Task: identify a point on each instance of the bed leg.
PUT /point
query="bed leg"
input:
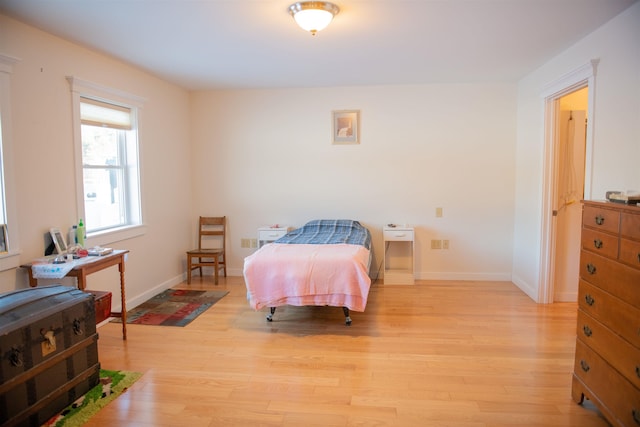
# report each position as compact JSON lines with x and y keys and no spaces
{"x":270,"y":315}
{"x":347,"y":318}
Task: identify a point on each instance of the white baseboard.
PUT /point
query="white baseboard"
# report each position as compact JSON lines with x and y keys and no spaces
{"x":139,"y":299}
{"x":531,"y":291}
{"x":565,"y":297}
{"x":484,"y":277}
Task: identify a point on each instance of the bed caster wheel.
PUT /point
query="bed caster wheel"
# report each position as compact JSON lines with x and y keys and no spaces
{"x":347,"y":318}
{"x":269,"y":317}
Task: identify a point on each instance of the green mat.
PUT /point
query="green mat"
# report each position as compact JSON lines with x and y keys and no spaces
{"x":112,"y":384}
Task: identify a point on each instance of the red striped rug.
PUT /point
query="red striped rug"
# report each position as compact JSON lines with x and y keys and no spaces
{"x":173,"y":307}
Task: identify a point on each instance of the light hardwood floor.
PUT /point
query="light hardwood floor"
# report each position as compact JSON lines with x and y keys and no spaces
{"x":464,"y":354}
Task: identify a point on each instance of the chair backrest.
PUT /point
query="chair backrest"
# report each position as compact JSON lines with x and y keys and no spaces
{"x":212,"y":226}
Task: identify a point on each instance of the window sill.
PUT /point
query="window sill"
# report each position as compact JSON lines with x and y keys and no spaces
{"x":9,"y":260}
{"x":106,"y":238}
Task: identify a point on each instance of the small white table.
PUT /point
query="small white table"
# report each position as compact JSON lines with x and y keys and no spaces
{"x":271,"y":234}
{"x":398,"y":255}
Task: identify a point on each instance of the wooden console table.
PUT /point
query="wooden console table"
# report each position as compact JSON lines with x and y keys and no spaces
{"x":92,"y":264}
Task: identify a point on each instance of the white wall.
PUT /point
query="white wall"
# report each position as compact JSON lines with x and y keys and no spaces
{"x":265,"y":156}
{"x":616,"y":139}
{"x":44,"y":166}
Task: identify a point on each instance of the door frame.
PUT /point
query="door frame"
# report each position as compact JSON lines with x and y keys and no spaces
{"x":583,"y":76}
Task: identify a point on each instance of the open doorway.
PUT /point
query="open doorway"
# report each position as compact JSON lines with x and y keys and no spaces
{"x":568,"y":190}
{"x":583,"y":77}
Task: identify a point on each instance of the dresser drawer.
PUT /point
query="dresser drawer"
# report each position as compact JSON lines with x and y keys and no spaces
{"x":616,"y":351}
{"x":616,"y":278}
{"x":611,"y":311}
{"x":630,"y":252}
{"x":630,"y":225}
{"x":617,"y":395}
{"x":599,"y":242}
{"x":398,"y":235}
{"x":602,"y":219}
{"x":271,"y":235}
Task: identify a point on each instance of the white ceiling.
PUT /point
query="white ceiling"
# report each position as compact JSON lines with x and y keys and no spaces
{"x":208,"y":44}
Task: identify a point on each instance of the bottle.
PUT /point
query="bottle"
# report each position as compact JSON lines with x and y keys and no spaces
{"x":80,"y":233}
{"x":73,"y":235}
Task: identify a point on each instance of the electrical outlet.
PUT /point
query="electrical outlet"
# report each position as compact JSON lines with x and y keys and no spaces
{"x":245,"y":243}
{"x":436,"y":244}
{"x":438,"y":212}
{"x":445,"y":244}
{"x":254,"y":243}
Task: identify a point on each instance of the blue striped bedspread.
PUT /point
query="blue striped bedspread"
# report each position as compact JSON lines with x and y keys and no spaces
{"x":329,"y":231}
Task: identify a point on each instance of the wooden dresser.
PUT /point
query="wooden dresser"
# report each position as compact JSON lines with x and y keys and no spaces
{"x":607,"y":363}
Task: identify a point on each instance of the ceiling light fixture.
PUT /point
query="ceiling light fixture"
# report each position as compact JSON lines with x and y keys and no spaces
{"x":313,"y":16}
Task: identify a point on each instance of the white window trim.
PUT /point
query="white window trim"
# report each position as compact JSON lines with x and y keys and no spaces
{"x":9,"y":259}
{"x":88,"y":89}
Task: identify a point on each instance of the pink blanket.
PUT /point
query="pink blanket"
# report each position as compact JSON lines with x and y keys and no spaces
{"x":299,"y":274}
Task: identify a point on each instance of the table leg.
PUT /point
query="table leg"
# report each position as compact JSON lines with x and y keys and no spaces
{"x":123,"y":315}
{"x":82,"y":280}
{"x":33,"y":282}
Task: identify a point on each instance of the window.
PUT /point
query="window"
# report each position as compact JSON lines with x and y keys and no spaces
{"x":109,"y":197}
{"x":4,"y":241}
{"x":3,"y":215}
{"x":109,"y":165}
{"x":9,"y":242}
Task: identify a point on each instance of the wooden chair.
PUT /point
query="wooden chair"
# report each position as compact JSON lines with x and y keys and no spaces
{"x":206,"y":256}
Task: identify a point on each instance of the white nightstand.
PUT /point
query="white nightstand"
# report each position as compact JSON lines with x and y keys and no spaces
{"x":270,"y":234}
{"x":398,"y":255}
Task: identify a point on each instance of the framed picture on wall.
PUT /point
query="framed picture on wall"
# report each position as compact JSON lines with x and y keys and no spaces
{"x":346,"y":127}
{"x":4,"y":241}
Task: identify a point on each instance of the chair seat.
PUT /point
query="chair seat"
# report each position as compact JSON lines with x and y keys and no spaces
{"x":205,"y":251}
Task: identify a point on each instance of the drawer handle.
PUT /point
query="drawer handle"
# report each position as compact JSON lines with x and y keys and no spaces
{"x":16,"y":357}
{"x":636,"y":416}
{"x":587,"y":330}
{"x":599,"y":220}
{"x":589,"y":299}
{"x":597,"y":243}
{"x":591,"y":268}
{"x":77,"y":327}
{"x":584,"y":365}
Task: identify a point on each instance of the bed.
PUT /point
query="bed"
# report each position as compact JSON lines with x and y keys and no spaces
{"x":323,"y":263}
